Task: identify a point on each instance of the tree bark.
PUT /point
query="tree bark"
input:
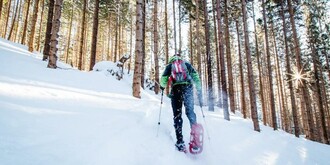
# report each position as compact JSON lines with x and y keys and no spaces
{"x":54,"y":37}
{"x":18,"y":22}
{"x":318,"y":93}
{"x":138,"y":48}
{"x":94,"y":36}
{"x":69,"y":35}
{"x":13,"y":22}
{"x":166,"y":34}
{"x":209,"y":60}
{"x":253,"y":104}
{"x":131,"y":43}
{"x":7,"y":20}
{"x":289,"y":75}
{"x":199,"y":60}
{"x":143,"y":44}
{"x":270,"y":74}
{"x":156,"y":47}
{"x":26,"y":22}
{"x":48,"y":29}
{"x":243,"y":101}
{"x":1,"y":4}
{"x":300,"y":69}
{"x":191,"y":52}
{"x":180,"y":36}
{"x":33,"y":28}
{"x":40,"y":26}
{"x":174,"y":26}
{"x":224,"y":93}
{"x":229,"y":62}
{"x":261,"y":87}
{"x":214,"y":2}
{"x":116,"y":34}
{"x":82,"y":35}
{"x":282,"y":108}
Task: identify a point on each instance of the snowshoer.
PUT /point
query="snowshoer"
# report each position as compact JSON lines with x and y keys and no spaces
{"x":181,"y":75}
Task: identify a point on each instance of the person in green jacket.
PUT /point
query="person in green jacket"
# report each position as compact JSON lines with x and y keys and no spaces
{"x":181,"y":75}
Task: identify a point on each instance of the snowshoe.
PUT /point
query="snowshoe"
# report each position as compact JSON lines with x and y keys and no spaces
{"x":180,"y":146}
{"x":196,"y":139}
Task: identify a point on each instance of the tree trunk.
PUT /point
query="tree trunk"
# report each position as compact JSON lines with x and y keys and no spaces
{"x":138,"y":48}
{"x":48,"y":29}
{"x":54,"y":37}
{"x":167,"y":91}
{"x":253,"y":104}
{"x":199,"y":60}
{"x":217,"y":53}
{"x":40,"y":26}
{"x":261,"y":87}
{"x":82,"y":35}
{"x":13,"y":22}
{"x":174,"y":26}
{"x":17,"y":25}
{"x":270,"y":75}
{"x":166,"y":35}
{"x":116,"y":34}
{"x":94,"y":36}
{"x":229,"y":63}
{"x":318,"y":93}
{"x":243,"y":101}
{"x":222,"y":65}
{"x":7,"y":20}
{"x":33,"y":28}
{"x":143,"y":44}
{"x":110,"y":36}
{"x":69,"y":35}
{"x":320,"y":101}
{"x":1,"y":4}
{"x":131,"y":43}
{"x":209,"y":60}
{"x":26,"y":22}
{"x":191,"y":51}
{"x":156,"y":46}
{"x":280,"y":85}
{"x":180,"y":36}
{"x":300,"y":69}
{"x":289,"y":75}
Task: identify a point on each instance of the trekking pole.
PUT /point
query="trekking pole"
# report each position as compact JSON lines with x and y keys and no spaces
{"x":207,"y":132}
{"x":160,"y":111}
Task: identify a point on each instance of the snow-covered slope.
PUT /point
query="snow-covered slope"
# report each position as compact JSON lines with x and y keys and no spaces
{"x":66,"y":116}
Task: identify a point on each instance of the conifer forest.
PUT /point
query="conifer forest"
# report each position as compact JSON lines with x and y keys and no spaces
{"x":267,"y":60}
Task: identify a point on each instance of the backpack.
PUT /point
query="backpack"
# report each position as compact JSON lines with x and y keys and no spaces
{"x":179,"y":72}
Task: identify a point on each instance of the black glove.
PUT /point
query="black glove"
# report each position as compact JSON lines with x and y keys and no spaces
{"x":161,"y":88}
{"x":200,"y":98}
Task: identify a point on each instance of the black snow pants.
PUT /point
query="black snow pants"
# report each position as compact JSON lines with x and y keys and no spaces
{"x":182,"y":93}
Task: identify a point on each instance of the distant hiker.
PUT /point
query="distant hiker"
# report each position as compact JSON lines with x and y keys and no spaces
{"x":181,"y":75}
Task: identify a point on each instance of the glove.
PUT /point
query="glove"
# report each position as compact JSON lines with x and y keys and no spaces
{"x":161,"y":88}
{"x":200,"y":97}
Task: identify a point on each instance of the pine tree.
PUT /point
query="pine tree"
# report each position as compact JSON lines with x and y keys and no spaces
{"x":252,"y":93}
{"x":33,"y":28}
{"x":82,"y":35}
{"x":48,"y":29}
{"x":138,"y":48}
{"x":224,"y":93}
{"x":54,"y":37}
{"x":156,"y":46}
{"x":26,"y":22}
{"x":208,"y":57}
{"x":270,"y":75}
{"x":94,"y":36}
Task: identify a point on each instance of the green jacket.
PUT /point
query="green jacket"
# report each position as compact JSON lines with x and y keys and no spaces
{"x":190,"y":71}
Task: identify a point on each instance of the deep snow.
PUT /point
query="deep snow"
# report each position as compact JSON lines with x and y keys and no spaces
{"x":66,"y":116}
